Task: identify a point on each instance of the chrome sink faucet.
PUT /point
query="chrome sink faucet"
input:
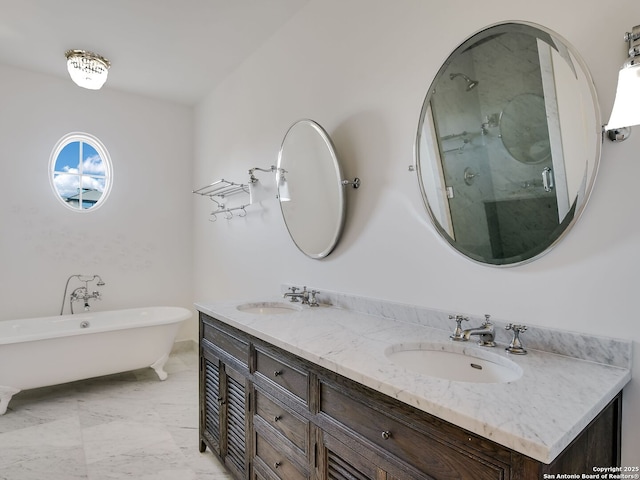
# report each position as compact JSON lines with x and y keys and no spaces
{"x":308,"y":297}
{"x":295,"y":297}
{"x":485,"y":331}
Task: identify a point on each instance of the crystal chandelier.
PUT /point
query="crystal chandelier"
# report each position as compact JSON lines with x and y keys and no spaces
{"x":87,"y":69}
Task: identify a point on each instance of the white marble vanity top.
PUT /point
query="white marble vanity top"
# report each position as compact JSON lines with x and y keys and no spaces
{"x":537,"y":415}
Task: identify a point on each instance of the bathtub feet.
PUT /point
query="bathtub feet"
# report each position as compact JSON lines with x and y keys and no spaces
{"x":6,"y":393}
{"x":158,"y":366}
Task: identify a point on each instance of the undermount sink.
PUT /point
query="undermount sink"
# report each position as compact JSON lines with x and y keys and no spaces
{"x":454,"y":362}
{"x":268,"y":308}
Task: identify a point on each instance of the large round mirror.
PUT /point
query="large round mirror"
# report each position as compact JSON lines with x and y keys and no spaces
{"x":508,"y":143}
{"x":310,"y":189}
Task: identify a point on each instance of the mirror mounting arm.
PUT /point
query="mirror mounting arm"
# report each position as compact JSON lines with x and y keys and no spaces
{"x":355,"y":182}
{"x":253,"y":178}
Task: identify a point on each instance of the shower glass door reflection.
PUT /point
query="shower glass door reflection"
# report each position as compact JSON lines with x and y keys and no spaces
{"x":501,"y":154}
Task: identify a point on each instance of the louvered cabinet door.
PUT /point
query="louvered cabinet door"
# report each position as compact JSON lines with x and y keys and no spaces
{"x":224,"y":414}
{"x":340,"y":462}
{"x":340,"y":467}
{"x":234,"y":422}
{"x":210,"y":404}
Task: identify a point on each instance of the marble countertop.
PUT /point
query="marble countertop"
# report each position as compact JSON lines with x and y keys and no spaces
{"x":537,"y":415}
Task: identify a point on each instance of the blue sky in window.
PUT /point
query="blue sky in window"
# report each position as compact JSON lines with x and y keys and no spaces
{"x":67,"y":178}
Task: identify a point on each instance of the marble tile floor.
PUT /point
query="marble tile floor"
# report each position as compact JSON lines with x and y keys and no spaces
{"x":124,"y":426}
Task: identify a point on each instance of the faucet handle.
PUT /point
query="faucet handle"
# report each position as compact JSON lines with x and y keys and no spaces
{"x":487,"y":320}
{"x":517,"y":329}
{"x":313,"y":301}
{"x":293,"y":289}
{"x":515,"y":346}
{"x":458,"y":334}
{"x":305,"y":296}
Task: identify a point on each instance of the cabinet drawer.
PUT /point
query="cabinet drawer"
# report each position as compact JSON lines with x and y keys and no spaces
{"x":277,"y":463}
{"x":289,"y":424}
{"x":237,"y":348}
{"x":429,"y":454}
{"x":283,"y":374}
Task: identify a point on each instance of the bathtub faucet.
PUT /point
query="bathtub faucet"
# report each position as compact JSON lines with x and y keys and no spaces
{"x":82,"y":293}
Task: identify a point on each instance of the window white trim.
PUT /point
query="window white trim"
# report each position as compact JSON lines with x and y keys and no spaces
{"x":104,"y":157}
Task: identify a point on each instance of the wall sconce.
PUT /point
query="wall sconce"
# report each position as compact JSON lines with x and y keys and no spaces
{"x":626,"y":107}
{"x":87,"y":69}
{"x":283,"y":186}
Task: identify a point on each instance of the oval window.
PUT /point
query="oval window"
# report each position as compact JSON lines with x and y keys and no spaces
{"x":80,"y":171}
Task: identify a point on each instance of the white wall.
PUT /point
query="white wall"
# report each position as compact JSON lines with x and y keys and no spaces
{"x":139,"y":241}
{"x":361,"y":68}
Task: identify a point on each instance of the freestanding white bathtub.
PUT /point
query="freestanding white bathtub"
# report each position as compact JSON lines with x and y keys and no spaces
{"x":38,"y":352}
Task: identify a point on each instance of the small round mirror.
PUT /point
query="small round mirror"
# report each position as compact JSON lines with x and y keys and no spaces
{"x":508,"y":144}
{"x":310,"y":189}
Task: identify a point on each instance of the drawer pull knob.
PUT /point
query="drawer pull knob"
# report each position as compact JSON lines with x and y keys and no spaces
{"x":277,"y":373}
{"x":386,"y":435}
{"x":277,"y":464}
{"x":277,"y":418}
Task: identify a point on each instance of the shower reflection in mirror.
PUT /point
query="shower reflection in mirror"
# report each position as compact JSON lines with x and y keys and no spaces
{"x":502,"y":148}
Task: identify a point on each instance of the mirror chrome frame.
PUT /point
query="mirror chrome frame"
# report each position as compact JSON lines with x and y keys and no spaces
{"x":597,"y":138}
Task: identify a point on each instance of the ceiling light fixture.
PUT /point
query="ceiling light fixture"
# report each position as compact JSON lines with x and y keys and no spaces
{"x":87,"y":69}
{"x":626,"y":107}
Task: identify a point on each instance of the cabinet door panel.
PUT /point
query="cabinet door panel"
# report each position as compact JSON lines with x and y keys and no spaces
{"x":342,"y":462}
{"x":223,"y":412}
{"x":210,"y":414}
{"x":340,"y":468}
{"x":235,"y":421}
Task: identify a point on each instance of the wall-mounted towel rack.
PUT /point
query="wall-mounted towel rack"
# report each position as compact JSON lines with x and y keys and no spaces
{"x":221,"y":189}
{"x":228,"y":212}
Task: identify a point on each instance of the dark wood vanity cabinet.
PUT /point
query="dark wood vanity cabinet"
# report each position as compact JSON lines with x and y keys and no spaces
{"x":270,"y":415}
